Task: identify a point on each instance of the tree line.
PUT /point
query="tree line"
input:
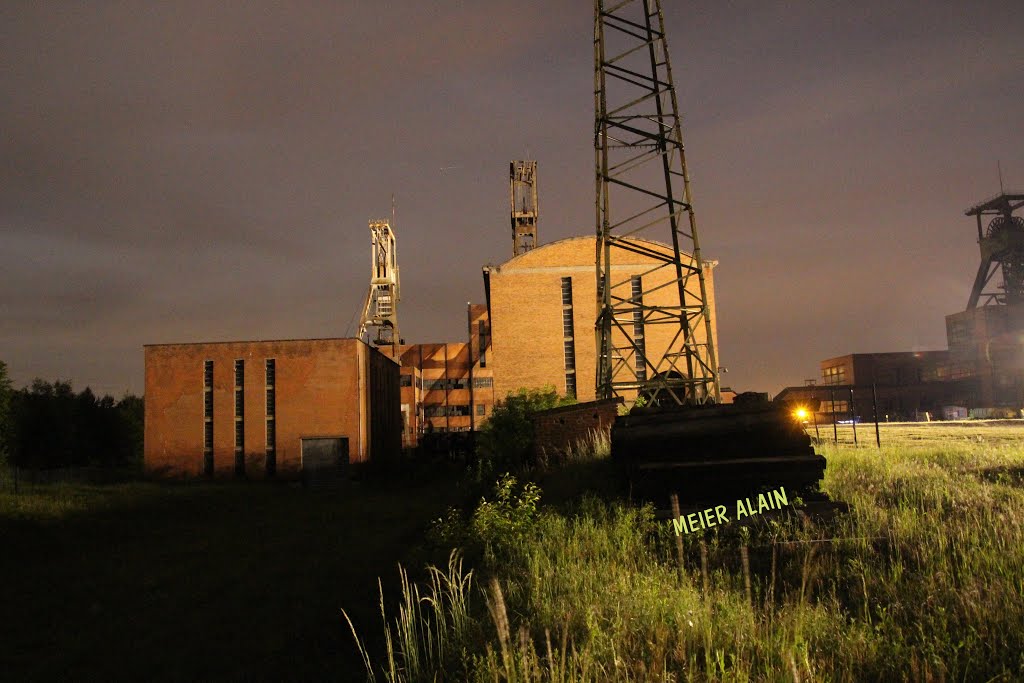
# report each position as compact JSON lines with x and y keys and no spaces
{"x":47,"y":425}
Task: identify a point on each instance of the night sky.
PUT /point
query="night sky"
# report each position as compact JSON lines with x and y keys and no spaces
{"x":177,"y":172}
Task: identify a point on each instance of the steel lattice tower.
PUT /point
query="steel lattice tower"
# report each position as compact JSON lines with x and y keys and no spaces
{"x":641,"y":171}
{"x":1002,"y":248}
{"x":522,"y":178}
{"x":380,"y":309}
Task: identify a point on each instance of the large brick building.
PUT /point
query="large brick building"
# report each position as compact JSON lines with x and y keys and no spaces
{"x":258,"y":408}
{"x":267,"y":408}
{"x":543,"y":308}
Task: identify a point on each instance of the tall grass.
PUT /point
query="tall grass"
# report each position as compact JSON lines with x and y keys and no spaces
{"x":430,"y":628}
{"x":922,"y":581}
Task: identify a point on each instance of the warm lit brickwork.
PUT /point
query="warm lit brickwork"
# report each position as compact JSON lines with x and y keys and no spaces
{"x":322,"y":388}
{"x":448,"y":387}
{"x":561,"y":428}
{"x":527,"y":314}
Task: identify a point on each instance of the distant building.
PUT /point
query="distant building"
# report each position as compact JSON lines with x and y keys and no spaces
{"x":268,"y":408}
{"x":906,"y":385}
{"x":982,"y":373}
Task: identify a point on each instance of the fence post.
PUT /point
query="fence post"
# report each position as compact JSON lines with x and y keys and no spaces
{"x":676,"y":514}
{"x":835,"y":430}
{"x":853,"y":417}
{"x":874,"y":409}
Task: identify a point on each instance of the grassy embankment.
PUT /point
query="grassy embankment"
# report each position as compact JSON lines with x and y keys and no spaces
{"x":927,"y":583}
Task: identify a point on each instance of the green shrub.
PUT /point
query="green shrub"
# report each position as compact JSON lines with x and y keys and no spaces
{"x":494,"y":525}
{"x":506,"y":441}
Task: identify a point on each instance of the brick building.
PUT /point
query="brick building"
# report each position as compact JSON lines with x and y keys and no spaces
{"x":907,"y":385}
{"x":266,"y":408}
{"x":536,"y":329}
{"x":543,"y":307}
{"x":447,"y":387}
{"x":986,"y":344}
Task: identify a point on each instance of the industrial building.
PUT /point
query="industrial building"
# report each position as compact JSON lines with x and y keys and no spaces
{"x":542,"y":306}
{"x":447,"y":387}
{"x":982,"y":372}
{"x":268,"y":408}
{"x":280,"y":408}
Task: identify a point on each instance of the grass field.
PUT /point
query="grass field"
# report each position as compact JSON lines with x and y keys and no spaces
{"x":247,"y":582}
{"x":926,"y":433}
{"x":922,"y":581}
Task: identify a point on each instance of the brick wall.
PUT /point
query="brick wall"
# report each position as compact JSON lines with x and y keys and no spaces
{"x":323,"y":388}
{"x":526,"y":314}
{"x":559,"y":428}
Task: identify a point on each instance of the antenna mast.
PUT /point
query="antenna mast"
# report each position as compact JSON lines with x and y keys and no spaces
{"x":643,"y":195}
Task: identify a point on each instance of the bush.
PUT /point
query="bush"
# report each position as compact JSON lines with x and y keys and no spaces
{"x":495,"y":525}
{"x":506,"y":441}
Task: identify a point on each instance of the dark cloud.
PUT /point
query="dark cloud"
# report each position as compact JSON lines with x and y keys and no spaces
{"x":187,"y":171}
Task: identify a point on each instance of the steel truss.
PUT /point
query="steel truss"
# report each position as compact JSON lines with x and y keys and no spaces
{"x":380,"y":309}
{"x":640,"y":169}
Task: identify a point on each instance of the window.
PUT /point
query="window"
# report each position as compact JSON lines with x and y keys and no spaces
{"x":433,"y":410}
{"x":640,"y":363}
{"x":483,"y":357}
{"x":458,"y":411}
{"x":405,"y":380}
{"x":568,"y":345}
{"x":239,"y":418}
{"x":271,"y":402}
{"x":481,"y":409}
{"x":271,"y":377}
{"x":841,"y":407}
{"x":483,"y":382}
{"x":208,"y":417}
{"x":834,"y":375}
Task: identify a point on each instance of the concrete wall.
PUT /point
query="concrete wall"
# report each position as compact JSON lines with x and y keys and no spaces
{"x":323,"y":387}
{"x":526,"y":314}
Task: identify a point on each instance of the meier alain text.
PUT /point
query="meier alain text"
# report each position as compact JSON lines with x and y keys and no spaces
{"x":704,"y":519}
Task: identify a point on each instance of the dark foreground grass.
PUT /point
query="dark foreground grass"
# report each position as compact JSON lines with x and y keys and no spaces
{"x":922,"y":581}
{"x":199,"y":581}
